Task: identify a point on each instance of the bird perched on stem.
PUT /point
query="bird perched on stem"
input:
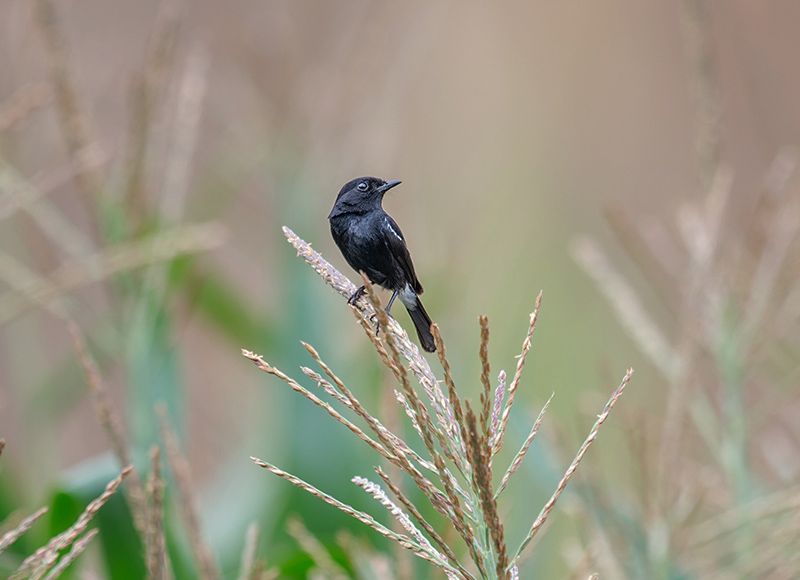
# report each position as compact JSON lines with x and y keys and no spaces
{"x":371,"y":242}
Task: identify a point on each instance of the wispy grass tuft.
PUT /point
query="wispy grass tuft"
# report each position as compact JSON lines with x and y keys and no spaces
{"x":50,"y":560}
{"x":249,"y":566}
{"x":710,"y":501}
{"x":207,"y":567}
{"x":11,"y":536}
{"x":155,"y":538}
{"x":454,"y":471}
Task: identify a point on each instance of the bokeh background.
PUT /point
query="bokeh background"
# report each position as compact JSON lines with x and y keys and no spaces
{"x":516,"y":128}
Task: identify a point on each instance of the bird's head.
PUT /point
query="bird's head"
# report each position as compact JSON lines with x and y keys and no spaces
{"x":361,"y":195}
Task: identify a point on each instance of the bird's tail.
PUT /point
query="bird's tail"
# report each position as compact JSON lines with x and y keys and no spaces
{"x":422,"y":322}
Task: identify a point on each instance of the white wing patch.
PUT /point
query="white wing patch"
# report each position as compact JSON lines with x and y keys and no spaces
{"x":391,"y":229}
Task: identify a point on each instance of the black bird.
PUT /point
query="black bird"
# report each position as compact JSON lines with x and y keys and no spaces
{"x":372,"y":242}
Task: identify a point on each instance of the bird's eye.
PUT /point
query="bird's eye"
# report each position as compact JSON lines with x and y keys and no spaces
{"x":362,"y":186}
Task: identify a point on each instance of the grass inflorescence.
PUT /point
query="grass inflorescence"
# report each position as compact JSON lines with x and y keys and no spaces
{"x":455,"y":471}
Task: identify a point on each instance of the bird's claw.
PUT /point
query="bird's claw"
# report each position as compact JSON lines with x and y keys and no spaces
{"x":356,"y":296}
{"x":374,"y":317}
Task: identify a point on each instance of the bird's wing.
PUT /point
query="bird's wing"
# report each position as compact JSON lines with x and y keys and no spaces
{"x":397,"y":246}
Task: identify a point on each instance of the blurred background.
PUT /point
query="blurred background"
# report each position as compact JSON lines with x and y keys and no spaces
{"x":635,"y":161}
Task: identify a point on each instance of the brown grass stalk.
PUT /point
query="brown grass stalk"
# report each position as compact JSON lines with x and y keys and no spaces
{"x":104,"y":263}
{"x":22,"y":192}
{"x":391,"y":363}
{"x":188,"y":108}
{"x":385,"y":447}
{"x":365,"y":311}
{"x":542,"y":518}
{"x":336,"y":280}
{"x":412,"y":509}
{"x":456,"y":513}
{"x":11,"y":536}
{"x":486,"y":381}
{"x":22,"y":103}
{"x":479,"y":455}
{"x":248,"y":568}
{"x":455,"y":402}
{"x":74,"y":127}
{"x":50,"y":220}
{"x":111,"y":421}
{"x":386,"y":450}
{"x":45,"y":557}
{"x":364,"y":518}
{"x":699,"y":53}
{"x":342,"y":394}
{"x":18,"y":277}
{"x":393,"y":343}
{"x":207,"y":568}
{"x":76,"y":550}
{"x":467,"y":439}
{"x":515,"y":463}
{"x":315,"y":549}
{"x":627,"y":305}
{"x":427,"y":428}
{"x":512,"y":389}
{"x":155,"y":539}
{"x":497,"y":408}
{"x":147,"y":94}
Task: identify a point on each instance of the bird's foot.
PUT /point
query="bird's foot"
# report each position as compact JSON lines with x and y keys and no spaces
{"x":374,"y":318}
{"x":356,"y":296}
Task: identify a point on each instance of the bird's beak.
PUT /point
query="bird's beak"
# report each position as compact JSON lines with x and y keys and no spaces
{"x":388,"y":185}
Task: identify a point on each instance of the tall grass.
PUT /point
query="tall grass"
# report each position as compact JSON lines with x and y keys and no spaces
{"x":455,"y":472}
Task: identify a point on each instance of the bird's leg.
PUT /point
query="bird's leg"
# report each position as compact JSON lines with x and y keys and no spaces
{"x":356,"y":296}
{"x":387,"y":309}
{"x":389,"y":306}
